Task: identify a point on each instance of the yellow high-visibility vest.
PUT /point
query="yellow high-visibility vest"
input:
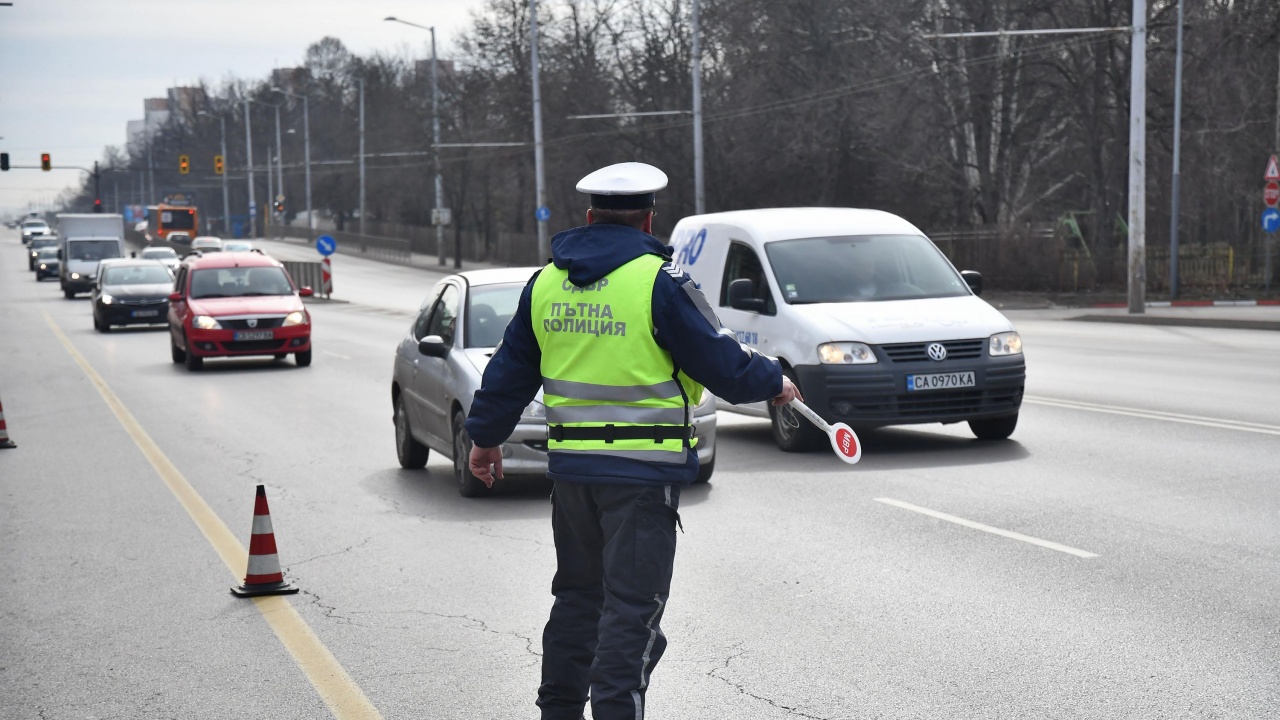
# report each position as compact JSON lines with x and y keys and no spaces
{"x":609,"y":388}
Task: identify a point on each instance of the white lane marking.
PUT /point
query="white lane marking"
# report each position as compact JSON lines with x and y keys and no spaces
{"x":344,"y":357}
{"x":1157,"y":415}
{"x":987,"y":528}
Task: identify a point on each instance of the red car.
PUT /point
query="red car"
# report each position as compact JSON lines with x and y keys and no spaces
{"x":236,"y":304}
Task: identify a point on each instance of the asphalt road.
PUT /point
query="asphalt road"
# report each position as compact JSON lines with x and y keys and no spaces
{"x":1115,"y":558}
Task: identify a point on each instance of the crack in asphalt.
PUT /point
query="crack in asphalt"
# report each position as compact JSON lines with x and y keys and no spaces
{"x":330,"y":611}
{"x":485,"y":628}
{"x":348,"y":549}
{"x":480,"y":528}
{"x":742,"y":688}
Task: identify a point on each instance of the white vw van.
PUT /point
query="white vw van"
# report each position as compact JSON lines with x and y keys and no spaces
{"x":867,"y":316}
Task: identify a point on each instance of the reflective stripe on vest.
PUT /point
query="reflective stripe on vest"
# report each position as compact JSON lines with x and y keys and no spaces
{"x":601,"y":364}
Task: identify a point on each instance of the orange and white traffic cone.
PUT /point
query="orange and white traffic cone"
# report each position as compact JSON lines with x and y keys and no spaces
{"x":5,"y":442}
{"x":263,"y":576}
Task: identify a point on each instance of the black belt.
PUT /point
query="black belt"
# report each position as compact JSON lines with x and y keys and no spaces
{"x":609,"y":433}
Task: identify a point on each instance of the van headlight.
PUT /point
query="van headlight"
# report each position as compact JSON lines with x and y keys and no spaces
{"x":75,"y":276}
{"x":1005,"y":343}
{"x":204,"y":322}
{"x":846,"y":353}
{"x":296,"y":317}
{"x":107,"y":299}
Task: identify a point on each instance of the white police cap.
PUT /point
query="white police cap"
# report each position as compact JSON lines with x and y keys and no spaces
{"x":624,"y":186}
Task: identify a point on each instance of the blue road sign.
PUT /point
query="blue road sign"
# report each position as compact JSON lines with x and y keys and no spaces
{"x":1271,"y":220}
{"x":325,"y":245}
{"x":543,"y":214}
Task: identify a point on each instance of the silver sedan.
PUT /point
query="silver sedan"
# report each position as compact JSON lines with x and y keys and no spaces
{"x":438,"y":368}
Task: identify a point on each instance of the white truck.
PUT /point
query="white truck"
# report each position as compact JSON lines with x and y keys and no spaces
{"x":87,"y":239}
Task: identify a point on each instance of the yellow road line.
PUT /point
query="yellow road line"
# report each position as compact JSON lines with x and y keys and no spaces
{"x":344,"y":698}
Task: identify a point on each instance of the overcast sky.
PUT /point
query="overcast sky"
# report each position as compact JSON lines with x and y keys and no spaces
{"x":74,"y":72}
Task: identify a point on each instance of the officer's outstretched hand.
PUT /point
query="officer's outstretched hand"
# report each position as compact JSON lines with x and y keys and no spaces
{"x":789,"y":392}
{"x":480,"y":461}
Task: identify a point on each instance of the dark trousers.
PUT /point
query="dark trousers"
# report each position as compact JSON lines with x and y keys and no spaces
{"x":615,"y":545}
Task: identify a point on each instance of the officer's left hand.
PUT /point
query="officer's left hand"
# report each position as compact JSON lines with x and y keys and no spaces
{"x":480,"y":461}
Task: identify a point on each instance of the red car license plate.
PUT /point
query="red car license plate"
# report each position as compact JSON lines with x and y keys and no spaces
{"x":255,"y":335}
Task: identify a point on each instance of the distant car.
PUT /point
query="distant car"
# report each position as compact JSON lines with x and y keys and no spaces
{"x":237,"y":305}
{"x":31,"y":228}
{"x":206,"y":243}
{"x":166,"y":255}
{"x":438,"y":367}
{"x":41,"y":241}
{"x":178,"y":238}
{"x":47,"y":263}
{"x":131,"y":292}
{"x":237,"y":246}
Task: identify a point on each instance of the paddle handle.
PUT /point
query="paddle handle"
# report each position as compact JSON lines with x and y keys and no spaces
{"x":811,"y":415}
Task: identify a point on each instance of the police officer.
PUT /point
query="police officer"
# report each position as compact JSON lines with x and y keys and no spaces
{"x":622,"y":342}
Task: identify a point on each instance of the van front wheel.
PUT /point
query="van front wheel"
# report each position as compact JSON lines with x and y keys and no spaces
{"x":791,"y":431}
{"x":994,"y":428}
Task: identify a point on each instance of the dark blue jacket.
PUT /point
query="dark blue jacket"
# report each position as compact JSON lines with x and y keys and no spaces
{"x":684,"y":325}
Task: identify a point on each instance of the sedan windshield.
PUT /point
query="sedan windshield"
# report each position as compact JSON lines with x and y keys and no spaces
{"x":239,"y":282}
{"x":137,"y":275}
{"x":489,"y":310}
{"x":862,"y":268}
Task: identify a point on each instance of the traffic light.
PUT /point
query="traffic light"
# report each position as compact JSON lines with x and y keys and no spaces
{"x":4,"y":161}
{"x":217,"y":165}
{"x":184,"y":164}
{"x":280,"y":205}
{"x":46,"y":163}
{"x":97,"y":205}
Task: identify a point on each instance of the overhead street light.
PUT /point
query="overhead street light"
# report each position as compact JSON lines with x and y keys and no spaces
{"x":438,"y":218}
{"x":306,"y":140}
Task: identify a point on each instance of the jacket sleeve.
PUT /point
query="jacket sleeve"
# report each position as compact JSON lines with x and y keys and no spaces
{"x":687,"y":327}
{"x":511,"y":380}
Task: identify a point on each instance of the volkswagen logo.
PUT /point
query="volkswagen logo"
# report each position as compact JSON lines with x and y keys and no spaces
{"x":937,"y":352}
{"x":253,"y":322}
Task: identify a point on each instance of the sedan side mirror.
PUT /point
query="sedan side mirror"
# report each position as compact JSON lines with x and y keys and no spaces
{"x":740,"y":296}
{"x":433,"y":346}
{"x":59,"y":253}
{"x":175,"y":297}
{"x":974,"y":280}
{"x":305,"y":292}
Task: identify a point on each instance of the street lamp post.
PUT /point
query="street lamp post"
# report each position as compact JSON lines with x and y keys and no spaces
{"x":435,"y":148}
{"x":306,"y":142}
{"x":226,"y":202}
{"x":279,"y":168}
{"x":544,"y":248}
{"x":248,"y":144}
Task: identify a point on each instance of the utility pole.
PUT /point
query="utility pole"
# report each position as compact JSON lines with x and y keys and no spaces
{"x":362,"y":209}
{"x":435,"y":156}
{"x":699,"y":193}
{"x":226,"y":200}
{"x":1138,"y":163}
{"x":151,"y":171}
{"x":544,"y":249}
{"x":1175,"y":196}
{"x":279,"y":164}
{"x":248,"y":144}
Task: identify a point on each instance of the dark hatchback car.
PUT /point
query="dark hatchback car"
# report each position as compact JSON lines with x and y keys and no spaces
{"x":131,"y":292}
{"x":37,"y":242}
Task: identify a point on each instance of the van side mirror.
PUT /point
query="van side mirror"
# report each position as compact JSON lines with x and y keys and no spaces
{"x":974,"y":279}
{"x":133,"y":254}
{"x":59,"y":253}
{"x":740,"y":296}
{"x":433,"y":346}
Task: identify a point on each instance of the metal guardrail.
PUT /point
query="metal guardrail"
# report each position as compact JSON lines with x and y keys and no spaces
{"x":307,"y":274}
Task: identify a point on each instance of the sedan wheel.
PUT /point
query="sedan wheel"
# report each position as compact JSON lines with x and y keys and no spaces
{"x":194,"y":361}
{"x":468,"y":485}
{"x":411,"y":453}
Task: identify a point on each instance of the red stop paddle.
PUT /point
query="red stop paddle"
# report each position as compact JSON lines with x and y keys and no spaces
{"x":843,"y":439}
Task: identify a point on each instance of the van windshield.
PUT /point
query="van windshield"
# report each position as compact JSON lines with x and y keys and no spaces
{"x":93,"y":249}
{"x":862,"y":268}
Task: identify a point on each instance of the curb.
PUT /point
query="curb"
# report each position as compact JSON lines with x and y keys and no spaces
{"x":1221,"y":323}
{"x":1193,"y":303}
